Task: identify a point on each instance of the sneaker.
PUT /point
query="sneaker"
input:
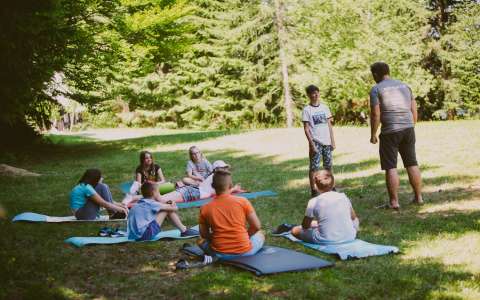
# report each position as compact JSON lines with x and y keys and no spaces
{"x":190,"y":232}
{"x":283,"y":228}
{"x":105,"y":231}
{"x":118,"y":233}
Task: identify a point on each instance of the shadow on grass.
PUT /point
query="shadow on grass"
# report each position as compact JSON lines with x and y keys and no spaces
{"x":35,"y":255}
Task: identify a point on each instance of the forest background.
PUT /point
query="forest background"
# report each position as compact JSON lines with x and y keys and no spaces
{"x":229,"y":64}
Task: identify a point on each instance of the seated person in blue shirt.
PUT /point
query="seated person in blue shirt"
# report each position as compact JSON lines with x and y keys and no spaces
{"x":146,"y":217}
{"x":90,"y":194}
{"x":329,"y":217}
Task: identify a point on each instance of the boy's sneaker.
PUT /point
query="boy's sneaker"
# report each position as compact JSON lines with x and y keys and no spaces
{"x":105,"y":231}
{"x":283,"y":228}
{"x":190,"y":232}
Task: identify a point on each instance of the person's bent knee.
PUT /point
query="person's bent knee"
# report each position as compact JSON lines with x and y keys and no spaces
{"x":296,"y":231}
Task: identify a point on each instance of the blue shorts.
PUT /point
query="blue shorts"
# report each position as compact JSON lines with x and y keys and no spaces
{"x":257,"y":244}
{"x":152,"y":230}
{"x":189,"y":193}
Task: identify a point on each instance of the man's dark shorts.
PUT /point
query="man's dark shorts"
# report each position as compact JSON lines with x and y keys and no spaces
{"x":400,"y":141}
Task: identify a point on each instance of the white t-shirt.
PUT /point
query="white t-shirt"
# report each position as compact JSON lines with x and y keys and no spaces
{"x":332,"y":210}
{"x":205,"y":187}
{"x":317,"y":117}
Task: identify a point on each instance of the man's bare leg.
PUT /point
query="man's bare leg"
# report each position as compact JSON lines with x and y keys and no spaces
{"x":415,"y":178}
{"x":393,"y":182}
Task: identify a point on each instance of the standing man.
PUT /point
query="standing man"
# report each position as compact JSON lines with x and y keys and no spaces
{"x":317,"y":124}
{"x":392,"y":104}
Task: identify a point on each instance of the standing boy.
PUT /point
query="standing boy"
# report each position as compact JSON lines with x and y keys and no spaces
{"x":317,"y":124}
{"x":392,"y":104}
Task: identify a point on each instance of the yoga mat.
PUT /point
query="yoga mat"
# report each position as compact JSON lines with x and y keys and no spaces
{"x":348,"y":250}
{"x":271,"y":260}
{"x":164,"y":188}
{"x":252,"y":195}
{"x":34,"y":217}
{"x":87,"y":240}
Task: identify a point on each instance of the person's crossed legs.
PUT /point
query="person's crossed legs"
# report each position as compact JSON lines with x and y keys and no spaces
{"x":257,"y":240}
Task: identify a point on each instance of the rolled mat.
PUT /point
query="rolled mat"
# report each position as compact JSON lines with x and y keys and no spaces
{"x":163,"y":188}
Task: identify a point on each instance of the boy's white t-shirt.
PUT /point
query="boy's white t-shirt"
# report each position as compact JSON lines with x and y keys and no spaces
{"x":317,"y":117}
{"x":205,"y":187}
{"x":332,"y":210}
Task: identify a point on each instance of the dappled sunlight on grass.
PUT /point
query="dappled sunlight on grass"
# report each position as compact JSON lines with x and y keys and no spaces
{"x":68,"y":293}
{"x":450,"y":249}
{"x":458,"y":206}
{"x":439,"y":240}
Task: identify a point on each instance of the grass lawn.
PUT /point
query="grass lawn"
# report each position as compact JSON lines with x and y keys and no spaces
{"x":440,"y":241}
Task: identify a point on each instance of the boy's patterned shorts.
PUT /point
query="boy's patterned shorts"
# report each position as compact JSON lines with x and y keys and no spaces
{"x":324,"y":153}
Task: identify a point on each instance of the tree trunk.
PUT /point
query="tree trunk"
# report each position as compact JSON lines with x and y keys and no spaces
{"x":282,"y":42}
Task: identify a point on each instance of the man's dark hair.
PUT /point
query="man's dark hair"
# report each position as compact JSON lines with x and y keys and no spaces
{"x":380,"y":69}
{"x":311,"y":88}
{"x":148,"y":189}
{"x":91,"y":177}
{"x":221,"y":180}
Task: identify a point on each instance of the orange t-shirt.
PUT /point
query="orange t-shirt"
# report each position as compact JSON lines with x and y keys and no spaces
{"x":226,"y":216}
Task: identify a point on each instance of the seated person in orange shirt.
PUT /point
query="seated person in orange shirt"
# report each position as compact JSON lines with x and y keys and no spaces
{"x":222,"y":222}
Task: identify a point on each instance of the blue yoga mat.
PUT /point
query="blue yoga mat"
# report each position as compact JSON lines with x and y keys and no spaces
{"x":348,"y":250}
{"x":87,"y":240}
{"x":34,"y":217}
{"x":252,"y":195}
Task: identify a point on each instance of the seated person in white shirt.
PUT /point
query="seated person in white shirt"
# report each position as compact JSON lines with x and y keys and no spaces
{"x":329,"y":217}
{"x":202,"y":191}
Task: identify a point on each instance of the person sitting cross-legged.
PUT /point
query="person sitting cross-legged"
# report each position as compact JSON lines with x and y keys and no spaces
{"x":329,"y":217}
{"x":146,"y":217}
{"x":222,"y":222}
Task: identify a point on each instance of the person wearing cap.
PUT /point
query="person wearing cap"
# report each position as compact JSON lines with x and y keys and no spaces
{"x":202,"y":191}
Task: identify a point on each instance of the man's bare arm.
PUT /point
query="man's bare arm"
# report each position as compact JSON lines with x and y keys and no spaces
{"x":374,"y":122}
{"x":414,"y":110}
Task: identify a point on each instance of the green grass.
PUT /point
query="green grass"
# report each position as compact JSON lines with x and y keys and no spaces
{"x":440,"y":241}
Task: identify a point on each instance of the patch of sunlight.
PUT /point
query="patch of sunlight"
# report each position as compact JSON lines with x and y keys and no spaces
{"x":357,"y":174}
{"x":464,"y":205}
{"x":281,"y":143}
{"x":462,"y":289}
{"x":148,"y":268}
{"x":70,"y":294}
{"x":114,"y":134}
{"x":295,"y":183}
{"x":451,"y":251}
{"x":265,"y":288}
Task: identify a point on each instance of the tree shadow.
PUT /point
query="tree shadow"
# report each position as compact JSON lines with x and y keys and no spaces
{"x":142,"y":270}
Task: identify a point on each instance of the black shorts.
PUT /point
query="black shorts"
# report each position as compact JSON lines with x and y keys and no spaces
{"x":401,"y":141}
